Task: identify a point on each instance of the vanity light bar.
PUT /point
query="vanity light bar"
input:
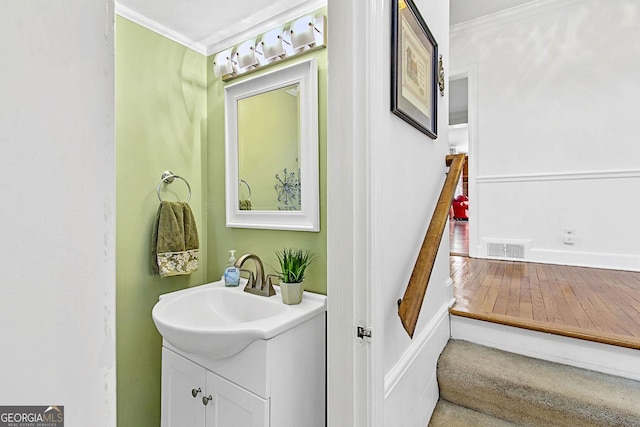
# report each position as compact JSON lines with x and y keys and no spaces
{"x":286,"y":41}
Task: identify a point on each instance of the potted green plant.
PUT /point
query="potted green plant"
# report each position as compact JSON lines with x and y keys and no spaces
{"x":293,"y":264}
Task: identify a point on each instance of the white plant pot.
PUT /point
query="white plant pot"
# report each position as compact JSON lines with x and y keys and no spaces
{"x":291,"y":292}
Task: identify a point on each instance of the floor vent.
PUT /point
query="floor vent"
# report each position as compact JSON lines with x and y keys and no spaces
{"x":506,"y":250}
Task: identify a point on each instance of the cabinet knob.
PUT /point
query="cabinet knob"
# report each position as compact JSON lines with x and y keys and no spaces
{"x":206,"y":399}
{"x":195,"y":392}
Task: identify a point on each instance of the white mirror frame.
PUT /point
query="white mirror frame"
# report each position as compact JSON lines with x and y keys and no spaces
{"x":308,"y":217}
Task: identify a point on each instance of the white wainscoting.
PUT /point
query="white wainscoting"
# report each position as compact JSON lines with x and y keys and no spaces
{"x":561,"y":176}
{"x":537,"y":208}
{"x":410,"y":387}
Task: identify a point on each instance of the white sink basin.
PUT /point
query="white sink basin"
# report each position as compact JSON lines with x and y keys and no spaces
{"x":219,"y":322}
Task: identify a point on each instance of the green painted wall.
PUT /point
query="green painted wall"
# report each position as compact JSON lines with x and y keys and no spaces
{"x":160,"y":124}
{"x":268,"y":142}
{"x":261,"y":242}
{"x":170,"y":115}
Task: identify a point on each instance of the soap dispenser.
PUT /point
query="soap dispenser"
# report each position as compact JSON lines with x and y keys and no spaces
{"x":232,"y":273}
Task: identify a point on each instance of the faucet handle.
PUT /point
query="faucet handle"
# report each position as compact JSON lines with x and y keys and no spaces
{"x":269,"y":283}
{"x":251,"y":281}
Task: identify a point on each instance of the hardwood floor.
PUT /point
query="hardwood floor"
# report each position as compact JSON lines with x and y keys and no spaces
{"x":459,"y":237}
{"x":587,"y":303}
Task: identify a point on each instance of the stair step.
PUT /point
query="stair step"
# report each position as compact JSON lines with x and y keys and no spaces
{"x":448,"y":414}
{"x":528,"y":391}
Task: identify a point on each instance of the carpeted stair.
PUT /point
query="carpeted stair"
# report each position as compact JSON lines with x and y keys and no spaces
{"x":482,"y":386}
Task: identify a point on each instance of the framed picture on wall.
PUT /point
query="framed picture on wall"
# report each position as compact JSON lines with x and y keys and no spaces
{"x":414,"y":68}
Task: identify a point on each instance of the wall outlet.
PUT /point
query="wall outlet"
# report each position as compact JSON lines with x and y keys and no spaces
{"x":569,"y":236}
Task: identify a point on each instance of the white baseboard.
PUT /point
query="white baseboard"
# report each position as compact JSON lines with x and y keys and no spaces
{"x":587,"y":259}
{"x":607,"y":261}
{"x":409,"y":399}
{"x":609,"y":359}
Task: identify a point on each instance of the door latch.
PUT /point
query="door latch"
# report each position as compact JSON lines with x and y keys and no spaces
{"x":364,"y":332}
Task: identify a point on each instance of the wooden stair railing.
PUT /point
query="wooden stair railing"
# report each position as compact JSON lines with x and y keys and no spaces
{"x":410,"y":304}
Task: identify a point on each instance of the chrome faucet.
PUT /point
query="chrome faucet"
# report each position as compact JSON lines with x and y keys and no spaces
{"x":258,"y":284}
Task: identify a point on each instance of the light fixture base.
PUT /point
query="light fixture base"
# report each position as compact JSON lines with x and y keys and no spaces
{"x":269,"y":48}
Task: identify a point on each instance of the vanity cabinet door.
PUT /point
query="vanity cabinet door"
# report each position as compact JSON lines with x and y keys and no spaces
{"x":181,"y":380}
{"x":233,"y":406}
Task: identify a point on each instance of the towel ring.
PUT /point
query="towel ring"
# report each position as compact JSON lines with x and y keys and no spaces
{"x":242,"y":181}
{"x":167,"y":178}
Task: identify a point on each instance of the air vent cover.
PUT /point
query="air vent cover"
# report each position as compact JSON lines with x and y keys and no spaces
{"x":507,"y":250}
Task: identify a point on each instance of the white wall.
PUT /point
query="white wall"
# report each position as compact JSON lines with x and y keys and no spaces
{"x":384,"y":178}
{"x":57,"y":224}
{"x":556,"y":137}
{"x":459,"y":137}
{"x":412,"y":171}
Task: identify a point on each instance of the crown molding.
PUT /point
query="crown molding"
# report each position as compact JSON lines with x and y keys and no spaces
{"x":224,"y":39}
{"x":156,"y":27}
{"x":506,"y":16}
{"x":219,"y":42}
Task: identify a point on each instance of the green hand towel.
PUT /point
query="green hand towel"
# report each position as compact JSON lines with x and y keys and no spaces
{"x":175,"y":240}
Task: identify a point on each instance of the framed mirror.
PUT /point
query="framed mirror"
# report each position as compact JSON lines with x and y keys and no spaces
{"x":271,"y":153}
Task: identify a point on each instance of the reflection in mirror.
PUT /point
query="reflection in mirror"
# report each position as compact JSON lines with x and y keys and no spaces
{"x":268,"y":150}
{"x":271,"y":124}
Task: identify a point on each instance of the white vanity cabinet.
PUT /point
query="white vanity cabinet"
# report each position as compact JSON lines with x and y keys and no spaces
{"x":278,"y":382}
{"x":194,"y":396}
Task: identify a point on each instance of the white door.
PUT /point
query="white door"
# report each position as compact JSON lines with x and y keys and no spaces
{"x":233,"y":406}
{"x":183,"y":386}
{"x":355,"y":383}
